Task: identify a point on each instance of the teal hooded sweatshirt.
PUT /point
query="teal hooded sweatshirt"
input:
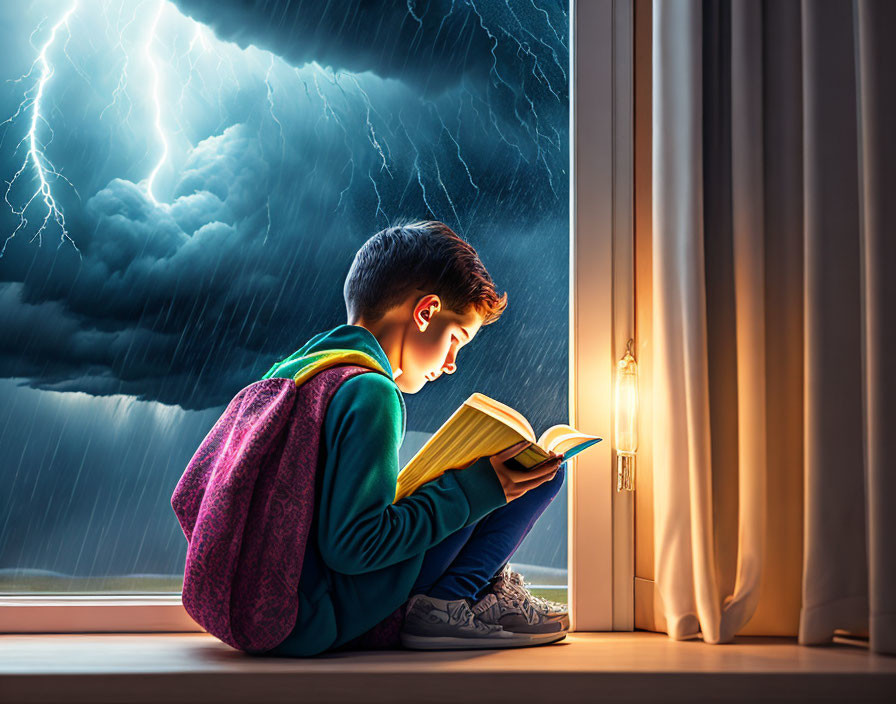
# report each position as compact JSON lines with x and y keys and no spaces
{"x":364,"y":553}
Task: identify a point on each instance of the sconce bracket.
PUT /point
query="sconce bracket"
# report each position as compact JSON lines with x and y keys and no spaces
{"x":625,"y":472}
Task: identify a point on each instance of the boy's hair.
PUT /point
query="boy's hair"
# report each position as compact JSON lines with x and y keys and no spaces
{"x":425,"y":255}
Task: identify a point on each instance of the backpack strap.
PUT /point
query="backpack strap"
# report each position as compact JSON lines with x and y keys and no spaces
{"x":303,"y":368}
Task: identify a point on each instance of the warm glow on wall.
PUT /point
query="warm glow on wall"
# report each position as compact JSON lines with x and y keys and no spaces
{"x":626,"y":413}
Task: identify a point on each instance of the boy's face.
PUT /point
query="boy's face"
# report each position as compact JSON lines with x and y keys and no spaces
{"x":434,"y":337}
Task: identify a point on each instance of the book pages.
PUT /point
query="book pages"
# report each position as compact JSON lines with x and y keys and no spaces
{"x":468,"y":435}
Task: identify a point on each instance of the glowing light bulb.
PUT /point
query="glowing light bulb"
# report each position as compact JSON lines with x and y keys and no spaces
{"x":626,"y":426}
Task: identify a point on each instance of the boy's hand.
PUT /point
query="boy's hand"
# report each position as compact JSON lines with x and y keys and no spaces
{"x":517,"y":482}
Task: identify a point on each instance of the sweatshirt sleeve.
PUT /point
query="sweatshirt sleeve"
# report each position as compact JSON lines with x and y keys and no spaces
{"x":359,"y":528}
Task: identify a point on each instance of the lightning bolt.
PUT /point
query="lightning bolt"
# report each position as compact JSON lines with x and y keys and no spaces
{"x":416,"y":164}
{"x":192,"y":58}
{"x":371,"y":132}
{"x":35,"y":155}
{"x":123,"y":76}
{"x":525,"y":49}
{"x":547,"y":19}
{"x":267,"y":231}
{"x":156,"y":102}
{"x":329,"y":109}
{"x":533,"y":55}
{"x":270,"y":96}
{"x":379,"y":200}
{"x":435,"y":161}
{"x":418,"y":20}
{"x":433,"y":108}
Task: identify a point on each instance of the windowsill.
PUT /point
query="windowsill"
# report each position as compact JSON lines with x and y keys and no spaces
{"x":640,"y":666}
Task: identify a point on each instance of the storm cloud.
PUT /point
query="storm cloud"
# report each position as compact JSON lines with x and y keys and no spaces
{"x":431,"y":45}
{"x":277,"y":170}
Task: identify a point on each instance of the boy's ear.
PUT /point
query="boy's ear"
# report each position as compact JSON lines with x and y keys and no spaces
{"x":425,"y":309}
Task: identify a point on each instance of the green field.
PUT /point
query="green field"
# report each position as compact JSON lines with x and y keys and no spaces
{"x":161,"y":584}
{"x":91,"y":585}
{"x":552,"y":594}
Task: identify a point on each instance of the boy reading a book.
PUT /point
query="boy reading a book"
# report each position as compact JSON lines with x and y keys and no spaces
{"x":415,"y":295}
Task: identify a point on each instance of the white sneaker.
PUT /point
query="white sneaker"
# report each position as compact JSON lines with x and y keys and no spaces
{"x":509,"y":586}
{"x":438,"y":624}
{"x":517,"y":615}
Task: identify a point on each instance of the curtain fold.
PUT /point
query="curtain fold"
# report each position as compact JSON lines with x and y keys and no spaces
{"x":684,"y":568}
{"x":706,"y":246}
{"x":749,"y":295}
{"x":877,"y":88}
{"x":835,"y":584}
{"x":774,"y":317}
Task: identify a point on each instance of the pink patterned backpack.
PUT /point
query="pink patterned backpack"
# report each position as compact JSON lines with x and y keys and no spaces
{"x":245,"y":504}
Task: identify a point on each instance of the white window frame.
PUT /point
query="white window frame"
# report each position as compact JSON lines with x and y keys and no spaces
{"x":601,"y":527}
{"x":601,"y":310}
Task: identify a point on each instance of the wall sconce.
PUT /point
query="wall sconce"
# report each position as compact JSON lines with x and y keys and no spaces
{"x":626,"y":435}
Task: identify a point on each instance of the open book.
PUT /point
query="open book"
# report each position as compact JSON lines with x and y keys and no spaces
{"x":483,"y":427}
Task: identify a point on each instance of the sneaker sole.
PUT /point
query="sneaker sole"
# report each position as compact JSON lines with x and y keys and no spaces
{"x":520,"y":640}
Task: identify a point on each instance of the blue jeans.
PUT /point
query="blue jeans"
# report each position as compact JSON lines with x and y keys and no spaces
{"x":464,"y":564}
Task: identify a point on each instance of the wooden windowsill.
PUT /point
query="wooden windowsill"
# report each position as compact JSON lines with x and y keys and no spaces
{"x":586,"y":667}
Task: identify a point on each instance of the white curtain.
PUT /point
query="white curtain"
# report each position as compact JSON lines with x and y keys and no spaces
{"x":774,"y":315}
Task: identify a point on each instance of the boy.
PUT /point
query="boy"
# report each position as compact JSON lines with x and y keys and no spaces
{"x":415,"y":295}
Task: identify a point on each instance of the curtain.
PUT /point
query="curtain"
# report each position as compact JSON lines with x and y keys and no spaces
{"x":774,"y":318}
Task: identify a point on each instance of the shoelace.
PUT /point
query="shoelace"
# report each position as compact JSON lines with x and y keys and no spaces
{"x":464,"y":616}
{"x":513,"y":581}
{"x":548,"y":605}
{"x":491,"y":603}
{"x":519,"y":600}
{"x":517,"y":579}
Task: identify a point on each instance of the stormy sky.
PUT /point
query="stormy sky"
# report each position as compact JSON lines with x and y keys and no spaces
{"x":185,"y":187}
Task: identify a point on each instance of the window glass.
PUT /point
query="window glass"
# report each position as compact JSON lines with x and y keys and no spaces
{"x":187,"y":185}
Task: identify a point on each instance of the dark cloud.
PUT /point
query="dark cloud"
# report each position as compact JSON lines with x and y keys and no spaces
{"x":432,"y":44}
{"x":168,"y":282}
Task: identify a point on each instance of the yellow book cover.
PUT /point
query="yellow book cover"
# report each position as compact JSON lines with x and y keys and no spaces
{"x":483,"y":427}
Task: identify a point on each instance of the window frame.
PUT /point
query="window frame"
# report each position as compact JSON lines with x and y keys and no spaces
{"x":601,"y":319}
{"x":601,"y":526}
